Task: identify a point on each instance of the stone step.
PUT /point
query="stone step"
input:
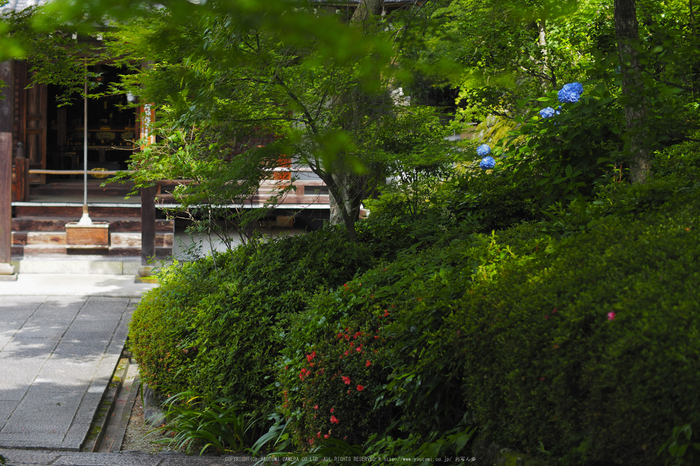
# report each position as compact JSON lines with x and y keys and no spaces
{"x":31,"y":251}
{"x":78,"y":265}
{"x":40,"y":253}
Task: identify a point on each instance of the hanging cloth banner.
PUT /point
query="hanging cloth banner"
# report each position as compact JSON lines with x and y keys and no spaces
{"x":148,"y":118}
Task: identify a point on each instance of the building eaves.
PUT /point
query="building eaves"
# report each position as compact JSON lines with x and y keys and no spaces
{"x":19,"y":5}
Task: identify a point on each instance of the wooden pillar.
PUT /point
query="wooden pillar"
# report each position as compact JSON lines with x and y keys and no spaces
{"x":148,"y":224}
{"x":20,"y":183}
{"x":146,"y":120}
{"x":148,"y":195}
{"x":6,"y":155}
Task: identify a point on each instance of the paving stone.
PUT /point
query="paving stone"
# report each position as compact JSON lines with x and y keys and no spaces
{"x":6,"y":409}
{"x":4,"y":338}
{"x":79,"y":350}
{"x":29,"y":457}
{"x":34,"y":330}
{"x":57,"y":356}
{"x":66,"y":373}
{"x":12,"y":393}
{"x":61,"y":303}
{"x":12,"y":321}
{"x":41,"y":419}
{"x":124,"y":458}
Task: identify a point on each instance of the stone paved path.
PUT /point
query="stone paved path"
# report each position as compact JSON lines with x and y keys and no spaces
{"x":57,"y":355}
{"x":55,"y":458}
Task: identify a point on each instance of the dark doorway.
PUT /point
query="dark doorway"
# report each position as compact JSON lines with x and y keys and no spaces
{"x":111,"y":129}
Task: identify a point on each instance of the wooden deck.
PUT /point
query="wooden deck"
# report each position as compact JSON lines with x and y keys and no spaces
{"x":39,"y":221}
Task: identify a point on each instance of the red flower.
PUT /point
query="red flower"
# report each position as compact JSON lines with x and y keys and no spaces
{"x":310,"y":357}
{"x":367,"y":364}
{"x":611,"y":315}
{"x":360,"y":388}
{"x":334,"y":420}
{"x":315,"y":406}
{"x":332,"y":410}
{"x":358,"y":349}
{"x":346,"y":379}
{"x":325,"y":436}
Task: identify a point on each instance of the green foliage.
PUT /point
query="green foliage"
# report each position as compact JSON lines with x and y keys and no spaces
{"x":160,"y":325}
{"x":390,"y":314}
{"x":216,"y":325}
{"x":196,"y":424}
{"x":58,"y":58}
{"x":416,"y":160}
{"x":567,"y":154}
{"x":583,"y":345}
{"x":678,"y":446}
{"x":422,"y":450}
{"x":275,"y":440}
{"x":552,"y":367}
{"x":330,"y":384}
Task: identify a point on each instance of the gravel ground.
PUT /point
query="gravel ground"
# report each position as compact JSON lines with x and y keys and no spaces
{"x":139,"y":435}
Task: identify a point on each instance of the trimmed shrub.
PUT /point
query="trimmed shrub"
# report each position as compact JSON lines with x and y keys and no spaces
{"x":355,"y":350}
{"x":217,"y":330}
{"x":586,"y":346}
{"x":591,"y":351}
{"x":161,"y":326}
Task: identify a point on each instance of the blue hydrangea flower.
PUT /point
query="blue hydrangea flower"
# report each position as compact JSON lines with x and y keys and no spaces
{"x":568,"y":97}
{"x":487,"y":163}
{"x":574,"y":87}
{"x":547,"y":112}
{"x":483,"y":150}
{"x":570,"y":93}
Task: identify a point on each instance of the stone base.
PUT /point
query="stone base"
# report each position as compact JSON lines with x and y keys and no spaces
{"x":7,"y":272}
{"x":145,"y":275}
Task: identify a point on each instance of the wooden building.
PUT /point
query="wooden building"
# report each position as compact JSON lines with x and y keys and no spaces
{"x":41,"y":180}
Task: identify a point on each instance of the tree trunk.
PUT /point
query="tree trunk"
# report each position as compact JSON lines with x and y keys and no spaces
{"x":346,"y":189}
{"x":544,"y":69}
{"x":627,"y":32}
{"x":366,"y":10}
{"x":344,"y":200}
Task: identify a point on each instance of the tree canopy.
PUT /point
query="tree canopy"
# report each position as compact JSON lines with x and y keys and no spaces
{"x":325,"y":84}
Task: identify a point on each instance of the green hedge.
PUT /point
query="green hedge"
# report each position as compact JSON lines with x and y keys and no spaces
{"x":591,"y":350}
{"x":217,"y":329}
{"x":515,"y":332}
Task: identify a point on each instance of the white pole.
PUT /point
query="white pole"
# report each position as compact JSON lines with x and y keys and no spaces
{"x":85,"y":220}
